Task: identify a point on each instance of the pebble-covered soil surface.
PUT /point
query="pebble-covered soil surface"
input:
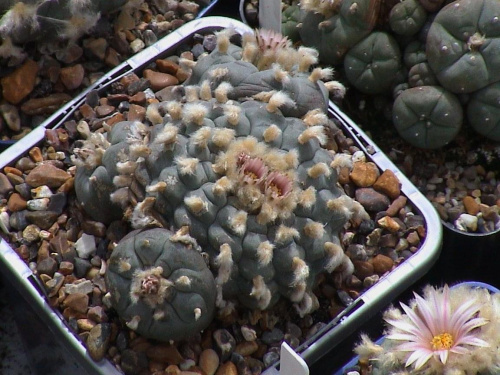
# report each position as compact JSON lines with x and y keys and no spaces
{"x":44,"y":224}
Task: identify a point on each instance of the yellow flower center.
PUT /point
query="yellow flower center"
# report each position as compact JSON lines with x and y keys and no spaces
{"x":443,"y":341}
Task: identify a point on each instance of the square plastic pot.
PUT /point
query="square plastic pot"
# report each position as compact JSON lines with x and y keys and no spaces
{"x":23,"y":281}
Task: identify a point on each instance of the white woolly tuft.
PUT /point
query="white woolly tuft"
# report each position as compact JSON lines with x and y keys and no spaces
{"x":225,"y":263}
{"x":222,"y":137}
{"x":140,"y":215}
{"x":277,"y":100}
{"x":197,"y":313}
{"x":167,"y":136}
{"x":342,"y":161}
{"x":222,"y":186}
{"x":307,"y":305}
{"x":232,"y":113}
{"x":319,"y":169}
{"x":122,"y":181}
{"x":336,"y":88}
{"x":312,"y":132}
{"x":187,"y":165}
{"x":126,"y":167}
{"x":222,"y":91}
{"x":320,"y":73}
{"x":133,"y":323}
{"x":191,"y":93}
{"x":315,"y":117}
{"x":205,"y":90}
{"x":183,"y":280}
{"x":265,"y":252}
{"x":238,"y":222}
{"x":300,"y":270}
{"x":261,"y":292}
{"x":219,"y":73}
{"x":174,"y":109}
{"x":314,"y":230}
{"x":194,"y":113}
{"x":153,"y":114}
{"x":196,"y":205}
{"x":280,"y":74}
{"x":201,"y":137}
{"x":158,"y":187}
{"x":307,"y":197}
{"x":120,"y":197}
{"x":223,"y":39}
{"x":285,"y":234}
{"x":309,"y":56}
{"x":271,"y":133}
{"x":335,"y":256}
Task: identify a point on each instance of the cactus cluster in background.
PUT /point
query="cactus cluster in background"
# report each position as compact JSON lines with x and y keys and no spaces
{"x":35,"y":20}
{"x":237,"y":166}
{"x":447,"y":49}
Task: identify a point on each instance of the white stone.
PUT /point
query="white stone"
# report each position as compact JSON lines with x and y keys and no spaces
{"x":41,"y":192}
{"x":85,"y":246}
{"x":466,"y":222}
{"x":358,"y":156}
{"x":38,"y":204}
{"x":4,"y":222}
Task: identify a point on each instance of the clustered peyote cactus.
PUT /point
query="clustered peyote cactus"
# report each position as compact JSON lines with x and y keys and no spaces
{"x":237,"y":164}
{"x":447,"y":47}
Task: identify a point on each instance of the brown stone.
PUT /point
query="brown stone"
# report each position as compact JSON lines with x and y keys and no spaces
{"x":96,"y":46}
{"x":16,"y":203}
{"x":246,"y":348}
{"x":165,"y":353}
{"x":388,"y":184}
{"x":382,"y":264}
{"x":46,"y":105}
{"x":104,"y":110}
{"x":13,"y":170}
{"x":344,"y":175}
{"x":5,"y":184}
{"x":362,"y":269}
{"x":364,"y":174}
{"x":167,"y":66}
{"x":160,"y":80}
{"x":112,"y":58}
{"x":209,"y":361}
{"x":78,"y":302}
{"x":227,"y":368}
{"x":87,"y":111}
{"x":72,"y":76}
{"x":389,"y":223}
{"x":396,"y":205}
{"x":18,"y":85}
{"x":47,"y":174}
{"x":470,"y":205}
{"x":136,"y":113}
{"x":36,"y":154}
{"x":139,"y":98}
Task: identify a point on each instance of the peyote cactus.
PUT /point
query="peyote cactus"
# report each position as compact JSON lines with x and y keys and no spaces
{"x":234,"y":166}
{"x":407,"y":17}
{"x":333,"y":27}
{"x":30,"y":20}
{"x":372,"y":65}
{"x":159,"y":286}
{"x":463,"y":43}
{"x":427,"y":116}
{"x":483,"y":110}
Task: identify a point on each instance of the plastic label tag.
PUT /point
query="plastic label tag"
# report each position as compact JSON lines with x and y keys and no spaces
{"x":270,"y":15}
{"x":291,"y":362}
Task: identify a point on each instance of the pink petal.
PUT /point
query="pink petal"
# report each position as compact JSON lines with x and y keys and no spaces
{"x":443,"y":356}
{"x":428,"y":315}
{"x":420,"y":357}
{"x":419,"y":324}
